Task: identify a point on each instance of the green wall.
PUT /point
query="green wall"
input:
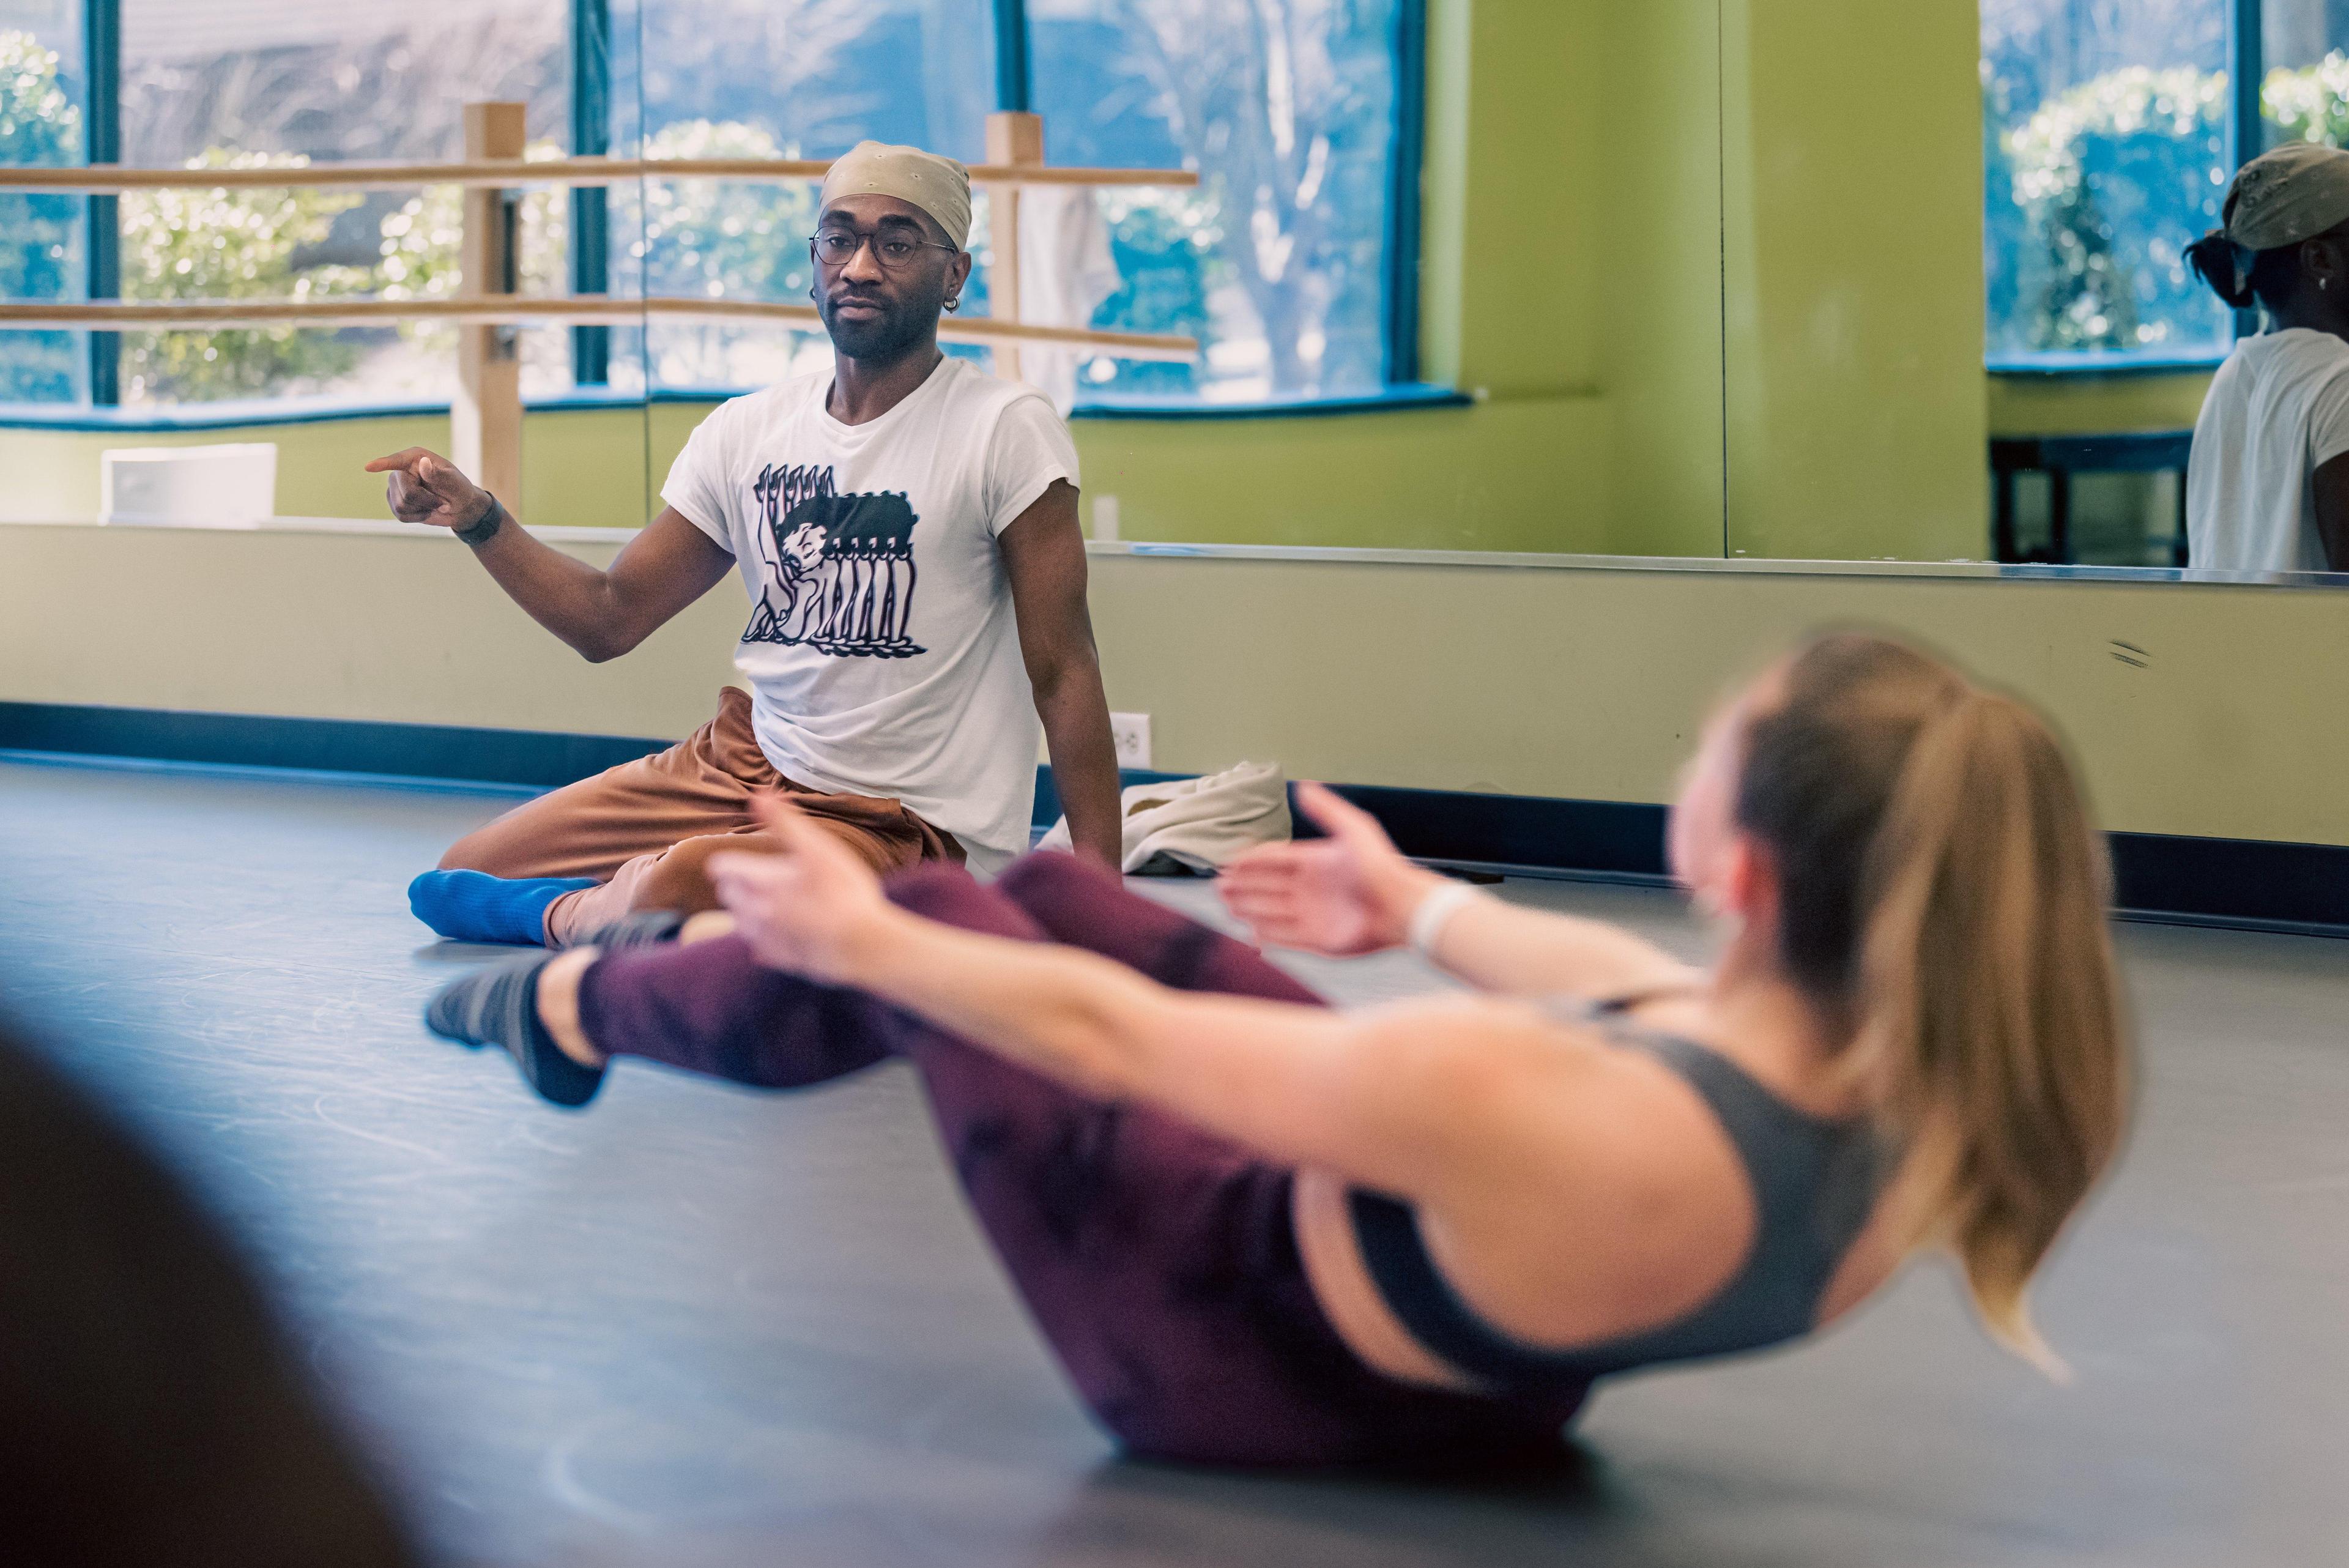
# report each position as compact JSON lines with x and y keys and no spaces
{"x":1515,"y":474}
{"x":1596,"y":424}
{"x":1578,"y":681}
{"x":2028,"y":405}
{"x":583,"y":468}
{"x":1853,"y":246}
{"x":1656,"y":276}
{"x":1807,"y":382}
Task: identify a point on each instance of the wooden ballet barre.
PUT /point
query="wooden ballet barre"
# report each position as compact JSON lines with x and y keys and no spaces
{"x":500,"y":173}
{"x":486,"y":412}
{"x":983,"y":329}
{"x":515,"y":310}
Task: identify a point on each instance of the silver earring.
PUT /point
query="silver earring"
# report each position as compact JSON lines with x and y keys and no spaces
{"x":954,"y":304}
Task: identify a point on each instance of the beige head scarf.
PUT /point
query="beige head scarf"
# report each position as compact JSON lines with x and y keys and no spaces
{"x":2296,"y":193}
{"x":939,"y":186}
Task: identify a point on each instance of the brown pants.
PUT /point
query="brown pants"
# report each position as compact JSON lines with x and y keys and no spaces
{"x":646,"y":829}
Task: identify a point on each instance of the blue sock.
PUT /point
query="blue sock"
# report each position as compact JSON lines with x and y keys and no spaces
{"x":475,"y":906}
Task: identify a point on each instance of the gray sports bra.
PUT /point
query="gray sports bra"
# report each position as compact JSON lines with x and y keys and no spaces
{"x":1815,"y":1183}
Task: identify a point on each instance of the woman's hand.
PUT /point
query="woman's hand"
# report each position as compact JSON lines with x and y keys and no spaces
{"x":815,"y":909}
{"x":1346,"y":895}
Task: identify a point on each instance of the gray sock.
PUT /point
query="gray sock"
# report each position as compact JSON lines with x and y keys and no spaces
{"x":498,"y":1006}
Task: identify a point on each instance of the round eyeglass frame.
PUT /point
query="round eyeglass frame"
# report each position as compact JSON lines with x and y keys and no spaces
{"x":878,"y":243}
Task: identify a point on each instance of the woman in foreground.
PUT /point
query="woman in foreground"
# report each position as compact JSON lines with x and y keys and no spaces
{"x":1260,"y":1231}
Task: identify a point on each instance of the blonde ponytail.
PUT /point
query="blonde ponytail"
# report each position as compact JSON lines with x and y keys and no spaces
{"x":1977,"y":990}
{"x":1988,"y":1023}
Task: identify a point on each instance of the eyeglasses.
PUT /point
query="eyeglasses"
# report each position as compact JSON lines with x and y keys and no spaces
{"x":838,"y":247}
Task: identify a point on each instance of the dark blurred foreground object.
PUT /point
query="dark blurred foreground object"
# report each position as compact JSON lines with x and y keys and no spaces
{"x":151,"y":1411}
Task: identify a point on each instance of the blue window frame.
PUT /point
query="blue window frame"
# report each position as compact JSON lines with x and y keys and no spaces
{"x":101,"y":39}
{"x":1297,"y":263}
{"x":591,"y":136}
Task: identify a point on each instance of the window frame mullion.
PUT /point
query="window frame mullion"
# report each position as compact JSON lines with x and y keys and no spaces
{"x":591,"y":226}
{"x":2247,"y":126}
{"x":1015,"y":83}
{"x":101,"y":43}
{"x":1405,"y":166}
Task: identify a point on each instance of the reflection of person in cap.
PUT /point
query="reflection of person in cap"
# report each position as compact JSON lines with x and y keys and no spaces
{"x":897,"y":673}
{"x":2269,"y":487}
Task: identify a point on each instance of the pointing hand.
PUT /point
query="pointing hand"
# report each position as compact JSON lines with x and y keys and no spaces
{"x":426,"y":487}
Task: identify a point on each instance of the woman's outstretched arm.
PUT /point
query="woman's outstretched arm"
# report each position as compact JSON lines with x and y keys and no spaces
{"x":1413,"y":1099}
{"x":1353,"y":893}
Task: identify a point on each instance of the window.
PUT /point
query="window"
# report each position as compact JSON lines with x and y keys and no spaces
{"x":780,"y":78}
{"x":1280,"y":262}
{"x":2108,"y":129}
{"x":2111,"y":131}
{"x":264,"y":81}
{"x":42,"y":94}
{"x":1294,"y":261}
{"x":2304,"y":89}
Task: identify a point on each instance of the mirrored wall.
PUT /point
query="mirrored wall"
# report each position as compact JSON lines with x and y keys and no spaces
{"x":1911,"y":195}
{"x":1902,"y":280}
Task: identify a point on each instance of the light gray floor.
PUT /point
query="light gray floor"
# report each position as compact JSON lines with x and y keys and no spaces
{"x":696,"y":1325}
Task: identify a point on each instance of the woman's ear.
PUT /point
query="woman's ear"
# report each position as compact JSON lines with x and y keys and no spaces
{"x":1717,"y":884}
{"x":1748,"y":884}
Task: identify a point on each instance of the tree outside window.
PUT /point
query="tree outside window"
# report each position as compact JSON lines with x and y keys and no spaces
{"x":782,"y":78}
{"x":1277,"y":263}
{"x":1286,"y":107}
{"x":2107,"y":145}
{"x":40,"y":235}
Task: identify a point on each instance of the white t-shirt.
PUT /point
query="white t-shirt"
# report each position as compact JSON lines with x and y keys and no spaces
{"x":883,"y":654}
{"x":2277,"y":412}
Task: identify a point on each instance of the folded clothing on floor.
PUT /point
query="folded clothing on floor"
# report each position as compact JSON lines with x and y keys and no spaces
{"x":1202,"y":825}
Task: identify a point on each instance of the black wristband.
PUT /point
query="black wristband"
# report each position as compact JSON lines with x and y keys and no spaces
{"x":484,"y":531}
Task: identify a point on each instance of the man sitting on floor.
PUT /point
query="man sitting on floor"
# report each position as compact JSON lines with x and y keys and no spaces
{"x":907,"y":528}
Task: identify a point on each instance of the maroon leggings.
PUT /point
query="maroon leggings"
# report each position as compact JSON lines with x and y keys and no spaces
{"x":1159,"y":1262}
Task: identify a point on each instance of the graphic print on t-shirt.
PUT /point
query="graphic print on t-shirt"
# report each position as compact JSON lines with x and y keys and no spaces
{"x":839,"y":568}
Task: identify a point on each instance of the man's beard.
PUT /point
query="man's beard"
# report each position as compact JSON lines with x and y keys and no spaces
{"x":893,"y":333}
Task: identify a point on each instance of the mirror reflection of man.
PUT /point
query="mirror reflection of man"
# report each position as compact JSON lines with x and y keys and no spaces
{"x":913,"y":740}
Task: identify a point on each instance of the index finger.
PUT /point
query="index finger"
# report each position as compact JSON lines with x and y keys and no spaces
{"x":405,"y":461}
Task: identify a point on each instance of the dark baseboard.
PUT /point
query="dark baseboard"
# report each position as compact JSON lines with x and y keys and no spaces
{"x":2256,"y":885}
{"x":2241,"y":883}
{"x":331,"y":746}
{"x":1586,"y":837}
{"x":2249,"y":883}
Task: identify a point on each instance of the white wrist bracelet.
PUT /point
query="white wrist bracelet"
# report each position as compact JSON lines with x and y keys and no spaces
{"x":1435,"y":913}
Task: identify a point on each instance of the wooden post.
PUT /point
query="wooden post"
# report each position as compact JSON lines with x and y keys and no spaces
{"x":1011,"y":140}
{"x":486,"y":437}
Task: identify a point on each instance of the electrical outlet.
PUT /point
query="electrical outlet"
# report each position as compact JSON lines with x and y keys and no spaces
{"x":1132,"y":732}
